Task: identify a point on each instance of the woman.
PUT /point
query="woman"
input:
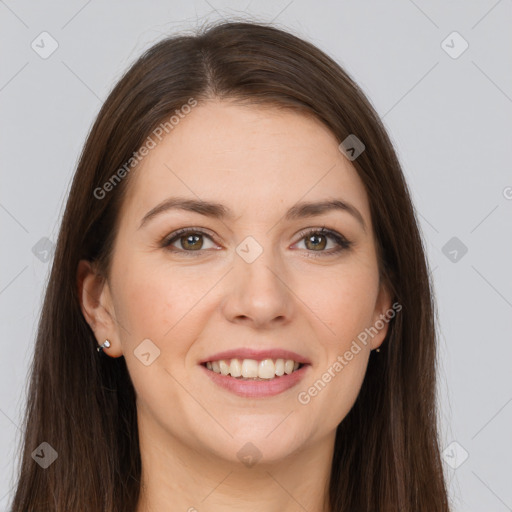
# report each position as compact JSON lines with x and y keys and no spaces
{"x":239,"y":314}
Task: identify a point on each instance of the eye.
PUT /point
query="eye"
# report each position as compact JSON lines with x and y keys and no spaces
{"x":191,"y":240}
{"x":188,"y":239}
{"x":316,"y":240}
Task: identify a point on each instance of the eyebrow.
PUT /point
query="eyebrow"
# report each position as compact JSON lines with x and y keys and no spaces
{"x":219,"y":211}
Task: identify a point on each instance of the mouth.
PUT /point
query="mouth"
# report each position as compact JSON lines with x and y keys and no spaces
{"x":252,"y":369}
{"x":251,"y":378}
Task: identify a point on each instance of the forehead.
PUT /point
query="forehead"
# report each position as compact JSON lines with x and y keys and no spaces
{"x":247,"y":157}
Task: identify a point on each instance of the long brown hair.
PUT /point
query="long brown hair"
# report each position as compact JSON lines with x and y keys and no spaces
{"x":386,"y":456}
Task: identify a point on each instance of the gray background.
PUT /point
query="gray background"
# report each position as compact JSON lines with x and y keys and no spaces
{"x":450,"y":119}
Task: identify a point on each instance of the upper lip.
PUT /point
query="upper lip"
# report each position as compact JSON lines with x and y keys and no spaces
{"x":258,"y":355}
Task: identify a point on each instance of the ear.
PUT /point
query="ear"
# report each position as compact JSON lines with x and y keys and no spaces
{"x":97,"y":307}
{"x":381,"y":316}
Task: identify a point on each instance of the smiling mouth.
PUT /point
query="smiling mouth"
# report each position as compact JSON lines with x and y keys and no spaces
{"x":253,"y":370}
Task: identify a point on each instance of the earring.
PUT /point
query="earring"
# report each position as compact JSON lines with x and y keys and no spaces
{"x":377,"y":350}
{"x":106,"y":344}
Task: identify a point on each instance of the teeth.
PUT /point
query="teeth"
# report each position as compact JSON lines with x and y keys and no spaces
{"x":266,"y":369}
{"x":224,"y":368}
{"x":252,"y":369}
{"x":249,"y":368}
{"x":235,"y":368}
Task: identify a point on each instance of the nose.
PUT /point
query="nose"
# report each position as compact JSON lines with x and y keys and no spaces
{"x":258,"y":293}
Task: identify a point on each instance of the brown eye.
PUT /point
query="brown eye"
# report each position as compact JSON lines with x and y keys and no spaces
{"x":193,"y":242}
{"x":187,"y":240}
{"x":316,"y":241}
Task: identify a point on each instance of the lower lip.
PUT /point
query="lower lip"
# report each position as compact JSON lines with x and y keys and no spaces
{"x":257,"y":388}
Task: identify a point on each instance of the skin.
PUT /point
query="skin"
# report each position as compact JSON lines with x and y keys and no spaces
{"x":258,"y":162}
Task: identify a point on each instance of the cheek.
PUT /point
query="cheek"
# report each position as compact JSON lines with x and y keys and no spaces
{"x":165,"y":304}
{"x":343,"y":300}
{"x":158,"y":304}
{"x":346,"y":303}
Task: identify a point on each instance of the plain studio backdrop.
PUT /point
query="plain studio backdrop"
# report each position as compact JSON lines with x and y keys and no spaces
{"x":439,"y":75}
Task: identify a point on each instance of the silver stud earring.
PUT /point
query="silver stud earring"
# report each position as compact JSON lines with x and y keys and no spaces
{"x":106,"y":344}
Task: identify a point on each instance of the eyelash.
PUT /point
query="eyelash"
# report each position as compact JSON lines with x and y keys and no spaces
{"x":343,"y":243}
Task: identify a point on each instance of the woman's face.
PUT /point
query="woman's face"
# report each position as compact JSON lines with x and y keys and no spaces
{"x":260,"y":278}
